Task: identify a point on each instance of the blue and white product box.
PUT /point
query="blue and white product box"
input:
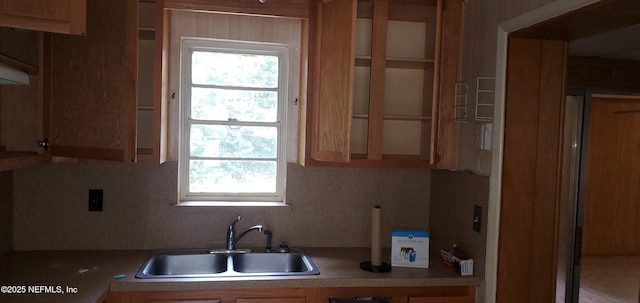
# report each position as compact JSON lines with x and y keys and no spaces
{"x":410,"y":248}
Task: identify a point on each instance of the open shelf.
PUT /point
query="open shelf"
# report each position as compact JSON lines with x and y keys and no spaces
{"x":404,"y":63}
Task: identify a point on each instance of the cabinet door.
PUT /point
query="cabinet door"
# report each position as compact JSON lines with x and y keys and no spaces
{"x":271,"y":300}
{"x":91,"y":85}
{"x":444,"y":141}
{"x":333,"y":54}
{"x":184,"y":301}
{"x":466,"y":299}
{"x":57,"y":16}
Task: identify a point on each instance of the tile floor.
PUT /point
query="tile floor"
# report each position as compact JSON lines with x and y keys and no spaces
{"x":610,"y":279}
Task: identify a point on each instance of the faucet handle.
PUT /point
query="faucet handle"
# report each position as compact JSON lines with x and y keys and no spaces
{"x":235,"y":221}
{"x":269,"y":240}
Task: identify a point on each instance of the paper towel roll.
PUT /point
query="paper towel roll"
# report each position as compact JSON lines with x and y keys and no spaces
{"x":376,"y":220}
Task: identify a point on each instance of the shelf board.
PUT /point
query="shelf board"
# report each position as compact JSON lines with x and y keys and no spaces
{"x":19,"y":64}
{"x":395,"y":117}
{"x":388,"y":161}
{"x":145,"y":107}
{"x":146,"y":33}
{"x":409,"y":63}
{"x":145,"y":151}
{"x":403,"y":63}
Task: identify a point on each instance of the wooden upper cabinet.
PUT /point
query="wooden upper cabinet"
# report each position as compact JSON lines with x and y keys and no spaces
{"x":381,"y":83}
{"x":57,"y":16}
{"x":91,"y":85}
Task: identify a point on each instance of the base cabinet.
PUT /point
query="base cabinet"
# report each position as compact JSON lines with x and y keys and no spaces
{"x":462,"y":299}
{"x":272,"y":300}
{"x":434,"y":294}
{"x":268,"y":300}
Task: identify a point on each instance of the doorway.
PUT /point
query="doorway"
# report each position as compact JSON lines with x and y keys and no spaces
{"x":598,"y":258}
{"x":600,"y":187}
{"x":569,"y":214}
{"x":521,"y":247}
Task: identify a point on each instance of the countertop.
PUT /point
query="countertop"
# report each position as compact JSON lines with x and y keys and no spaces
{"x":53,"y":276}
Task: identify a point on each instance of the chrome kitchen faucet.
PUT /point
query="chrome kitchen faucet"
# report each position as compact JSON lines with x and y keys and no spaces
{"x":232,"y":240}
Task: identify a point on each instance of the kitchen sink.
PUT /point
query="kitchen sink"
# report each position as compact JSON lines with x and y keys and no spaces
{"x":271,"y":263}
{"x":192,"y":263}
{"x":212,"y":264}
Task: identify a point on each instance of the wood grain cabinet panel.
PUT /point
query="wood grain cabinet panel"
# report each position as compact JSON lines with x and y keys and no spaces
{"x":21,"y":125}
{"x":57,"y":16}
{"x":334,"y":52}
{"x":271,"y":300}
{"x":468,"y":299}
{"x":432,"y":294}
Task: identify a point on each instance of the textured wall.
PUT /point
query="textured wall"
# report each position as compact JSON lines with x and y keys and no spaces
{"x":481,"y":21}
{"x":329,"y":207}
{"x":453,"y":196}
{"x":6,"y":211}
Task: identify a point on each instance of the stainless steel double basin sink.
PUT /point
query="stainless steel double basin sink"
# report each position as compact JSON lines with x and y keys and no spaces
{"x":212,"y":264}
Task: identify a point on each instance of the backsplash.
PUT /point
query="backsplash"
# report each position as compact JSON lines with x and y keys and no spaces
{"x":453,"y":197}
{"x":330,"y":207}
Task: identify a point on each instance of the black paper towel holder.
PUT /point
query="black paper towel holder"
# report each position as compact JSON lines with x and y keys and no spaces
{"x":383,"y":267}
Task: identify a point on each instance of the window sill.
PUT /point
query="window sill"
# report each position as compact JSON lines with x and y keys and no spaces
{"x":234,"y":204}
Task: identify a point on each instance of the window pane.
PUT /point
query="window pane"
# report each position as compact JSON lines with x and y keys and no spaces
{"x":227,"y":69}
{"x":234,"y":141}
{"x":212,"y":176}
{"x":222,"y":104}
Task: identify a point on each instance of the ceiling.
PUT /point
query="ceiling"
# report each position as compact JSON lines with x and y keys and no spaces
{"x":608,"y":29}
{"x":623,"y":43}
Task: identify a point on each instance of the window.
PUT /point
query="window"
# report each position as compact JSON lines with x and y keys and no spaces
{"x":232,"y":120}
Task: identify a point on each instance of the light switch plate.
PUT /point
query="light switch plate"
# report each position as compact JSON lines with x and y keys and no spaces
{"x":95,"y":200}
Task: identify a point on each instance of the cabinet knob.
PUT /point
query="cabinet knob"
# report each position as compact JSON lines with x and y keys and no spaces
{"x":44,"y":143}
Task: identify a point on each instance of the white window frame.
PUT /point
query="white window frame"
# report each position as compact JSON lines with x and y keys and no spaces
{"x":188,"y":46}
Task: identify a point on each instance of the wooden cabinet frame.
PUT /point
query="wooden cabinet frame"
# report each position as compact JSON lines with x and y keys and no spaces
{"x":331,"y":81}
{"x":56,"y":16}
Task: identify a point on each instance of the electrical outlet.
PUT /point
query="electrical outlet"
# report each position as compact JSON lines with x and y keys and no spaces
{"x":477,"y":218}
{"x":95,"y":200}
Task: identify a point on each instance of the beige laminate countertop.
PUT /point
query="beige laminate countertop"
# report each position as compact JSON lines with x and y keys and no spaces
{"x":92,"y":274}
